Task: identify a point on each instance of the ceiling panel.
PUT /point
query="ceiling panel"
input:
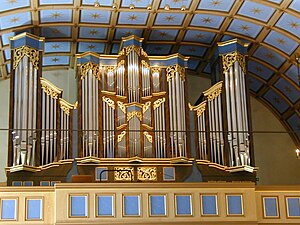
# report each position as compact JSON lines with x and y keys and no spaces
{"x":56,"y":32}
{"x":15,"y":20}
{"x":89,"y":46}
{"x":269,"y":56}
{"x":192,"y":50}
{"x":163,"y":35}
{"x":288,"y":90}
{"x":245,"y":28}
{"x":51,"y":47}
{"x":158,"y":49}
{"x":254,"y":84}
{"x":175,"y":4}
{"x":52,"y":2}
{"x":13,"y":4}
{"x":289,"y":23}
{"x":93,"y":32}
{"x":57,"y":60}
{"x":51,"y":16}
{"x":125,"y":32}
{"x":207,"y":20}
{"x":260,"y":70}
{"x":219,"y":5}
{"x":276,"y":101}
{"x":133,"y":18}
{"x":95,"y":16}
{"x":199,"y":36}
{"x":292,"y":73}
{"x":294,"y":122}
{"x":256,"y":11}
{"x":169,"y":18}
{"x":137,"y":3}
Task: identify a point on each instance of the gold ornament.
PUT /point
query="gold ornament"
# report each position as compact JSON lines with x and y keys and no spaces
{"x":229,"y":59}
{"x":84,"y":69}
{"x":110,"y":102}
{"x":50,"y":89}
{"x":31,"y":53}
{"x":171,"y":71}
{"x":214,"y":91}
{"x":145,"y":64}
{"x":120,"y":136}
{"x":148,"y":136}
{"x":121,"y":106}
{"x":124,"y":173}
{"x":158,"y":102}
{"x":198,"y":108}
{"x":146,"y":106}
{"x":134,"y":113}
{"x":147,"y":173}
{"x":66,"y":106}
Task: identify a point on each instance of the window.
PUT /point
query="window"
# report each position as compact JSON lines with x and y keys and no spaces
{"x":131,"y":206}
{"x":17,"y":183}
{"x":8,"y":209}
{"x":234,"y":205}
{"x":209,"y":205}
{"x":183,"y":205}
{"x":270,"y":207}
{"x":105,"y":205}
{"x":34,"y":209}
{"x":27,"y":183}
{"x":78,"y":206}
{"x":157,"y":205}
{"x":169,"y":173}
{"x":98,"y":171}
{"x":45,"y":183}
{"x":293,"y":206}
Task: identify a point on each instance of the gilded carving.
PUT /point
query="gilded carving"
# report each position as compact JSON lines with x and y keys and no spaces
{"x":134,"y":113}
{"x":229,"y":59}
{"x":147,"y":173}
{"x":214,"y":91}
{"x":110,"y":102}
{"x":124,"y":174}
{"x":198,"y":108}
{"x":145,"y":64}
{"x":121,"y":106}
{"x":122,"y":62}
{"x":146,"y":106}
{"x":158,"y":102}
{"x":126,"y":51}
{"x":110,"y":68}
{"x":120,"y":136}
{"x":31,"y":53}
{"x":148,"y":136}
{"x":172,"y":70}
{"x":50,"y":89}
{"x":155,"y":70}
{"x":84,"y":69}
{"x":66,"y":106}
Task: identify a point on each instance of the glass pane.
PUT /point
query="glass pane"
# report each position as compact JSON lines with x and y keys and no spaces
{"x":234,"y":205}
{"x":131,"y":205}
{"x":183,"y":205}
{"x":17,"y":183}
{"x":78,"y":205}
{"x":103,"y":175}
{"x":27,"y":183}
{"x":158,"y":205}
{"x":8,"y":211}
{"x":45,"y":183}
{"x":293,"y":206}
{"x":209,"y":204}
{"x":270,"y":206}
{"x":105,"y":205}
{"x":169,"y":173}
{"x":34,"y":209}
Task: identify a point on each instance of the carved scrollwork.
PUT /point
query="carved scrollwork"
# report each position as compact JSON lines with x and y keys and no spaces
{"x":84,"y":69}
{"x":122,"y":62}
{"x":198,"y":108}
{"x":110,"y":68}
{"x":214,"y":91}
{"x":50,"y":89}
{"x":171,"y":71}
{"x":121,"y":106}
{"x":158,"y":102}
{"x":134,"y":113}
{"x":148,"y":136}
{"x":146,"y":106}
{"x":229,"y":59}
{"x":120,"y":136}
{"x":66,"y":106}
{"x":145,"y":64}
{"x":31,"y":53}
{"x":155,"y":70}
{"x":124,"y":174}
{"x":110,"y":102}
{"x":147,"y":173}
{"x":138,"y":50}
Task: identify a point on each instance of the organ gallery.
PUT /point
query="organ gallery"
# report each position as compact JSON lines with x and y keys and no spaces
{"x":132,"y":121}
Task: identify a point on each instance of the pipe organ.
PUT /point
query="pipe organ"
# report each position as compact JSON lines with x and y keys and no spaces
{"x":132,"y":105}
{"x":222,"y":118}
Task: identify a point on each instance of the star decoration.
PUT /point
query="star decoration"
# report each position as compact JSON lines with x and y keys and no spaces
{"x":56,"y":15}
{"x":244,"y":27}
{"x":163,"y":34}
{"x":169,"y":18}
{"x":95,"y":15}
{"x":256,"y":10}
{"x":258,"y":69}
{"x":215,"y":3}
{"x":128,"y":33}
{"x":288,"y":89}
{"x":200,"y":36}
{"x":93,"y":32}
{"x":55,"y":46}
{"x":280,"y":41}
{"x":55,"y":31}
{"x":276,"y":100}
{"x":91,"y":47}
{"x":55,"y":59}
{"x":192,"y":49}
{"x":132,"y":17}
{"x":14,"y":19}
{"x":206,"y":20}
{"x":269,"y":55}
{"x":12,"y":1}
{"x":294,"y":25}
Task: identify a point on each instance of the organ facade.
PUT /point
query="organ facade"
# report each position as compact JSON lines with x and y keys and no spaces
{"x":133,"y":120}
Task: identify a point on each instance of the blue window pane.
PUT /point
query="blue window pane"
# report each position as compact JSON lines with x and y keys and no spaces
{"x":293,"y":206}
{"x":45,"y":183}
{"x":270,"y":206}
{"x":8,"y":211}
{"x":27,"y":183}
{"x":234,"y":204}
{"x":209,"y":205}
{"x":34,"y":209}
{"x":103,"y":175}
{"x":79,"y":206}
{"x":17,"y":183}
{"x":169,"y":173}
{"x":105,"y":205}
{"x":131,"y":205}
{"x":157,"y":205}
{"x":183,"y":205}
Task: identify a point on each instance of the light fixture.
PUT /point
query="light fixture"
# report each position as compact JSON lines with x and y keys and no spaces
{"x":183,"y":8}
{"x":131,"y":6}
{"x":298,"y":153}
{"x":114,"y":5}
{"x":167,"y":7}
{"x":97,"y":4}
{"x":149,"y":7}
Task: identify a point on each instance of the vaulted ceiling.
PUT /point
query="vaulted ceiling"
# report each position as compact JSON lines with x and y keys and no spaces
{"x":75,"y":26}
